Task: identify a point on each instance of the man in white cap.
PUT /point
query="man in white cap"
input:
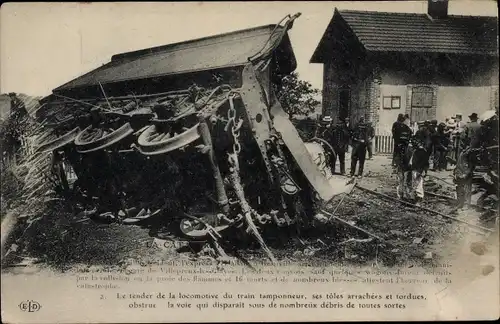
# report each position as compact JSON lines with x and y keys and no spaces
{"x":327,"y":119}
{"x":327,"y":134}
{"x":449,"y":127}
{"x":450,"y":123}
{"x":323,"y":127}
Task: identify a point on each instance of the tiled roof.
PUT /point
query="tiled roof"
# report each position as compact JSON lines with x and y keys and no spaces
{"x":412,"y":32}
{"x":225,"y":50}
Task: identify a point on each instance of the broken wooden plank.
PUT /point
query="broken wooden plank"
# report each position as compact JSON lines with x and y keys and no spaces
{"x":440,"y":196}
{"x":353,"y":226}
{"x":368,"y":240}
{"x":443,"y":181}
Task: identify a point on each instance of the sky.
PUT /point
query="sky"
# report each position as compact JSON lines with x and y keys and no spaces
{"x":44,"y":45}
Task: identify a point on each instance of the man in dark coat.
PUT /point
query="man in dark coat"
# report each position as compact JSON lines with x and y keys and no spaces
{"x":427,"y":130}
{"x":371,"y":136}
{"x":395,"y":127}
{"x":403,"y":135}
{"x":432,"y":144}
{"x":418,"y":157}
{"x":340,"y":142}
{"x":441,"y":143}
{"x":470,"y":136}
{"x":359,"y":143}
{"x":422,"y":140}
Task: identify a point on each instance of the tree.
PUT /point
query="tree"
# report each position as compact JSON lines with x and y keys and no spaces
{"x":297,"y":97}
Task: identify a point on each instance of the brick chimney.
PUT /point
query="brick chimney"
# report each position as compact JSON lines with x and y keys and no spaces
{"x":437,"y":9}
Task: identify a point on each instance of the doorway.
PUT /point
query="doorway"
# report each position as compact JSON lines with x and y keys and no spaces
{"x":344,"y":102}
{"x":421,"y":104}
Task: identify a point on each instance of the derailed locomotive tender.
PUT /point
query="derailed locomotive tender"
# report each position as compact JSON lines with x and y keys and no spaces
{"x":191,"y":130}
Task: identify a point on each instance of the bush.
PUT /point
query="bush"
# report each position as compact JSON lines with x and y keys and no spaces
{"x":10,"y":189}
{"x":306,"y":128}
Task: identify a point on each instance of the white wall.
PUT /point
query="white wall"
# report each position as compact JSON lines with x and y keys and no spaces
{"x":450,"y":101}
{"x":386,"y":117}
{"x":465,"y":100}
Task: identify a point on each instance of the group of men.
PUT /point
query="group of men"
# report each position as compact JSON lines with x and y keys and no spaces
{"x":413,"y":149}
{"x":341,"y":135}
{"x":478,"y":146}
{"x":436,"y":139}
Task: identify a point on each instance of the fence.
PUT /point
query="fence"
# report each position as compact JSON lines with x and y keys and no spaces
{"x":384,"y":144}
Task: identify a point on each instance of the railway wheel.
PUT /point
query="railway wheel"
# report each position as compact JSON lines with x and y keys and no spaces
{"x":92,"y":138}
{"x":166,"y":136}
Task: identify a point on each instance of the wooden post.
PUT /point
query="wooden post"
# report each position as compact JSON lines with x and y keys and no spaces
{"x":205,"y":135}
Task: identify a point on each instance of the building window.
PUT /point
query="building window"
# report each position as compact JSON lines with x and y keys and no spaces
{"x":392,"y":102}
{"x":422,"y":97}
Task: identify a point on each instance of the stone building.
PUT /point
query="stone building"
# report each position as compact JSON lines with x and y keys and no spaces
{"x":430,"y":66}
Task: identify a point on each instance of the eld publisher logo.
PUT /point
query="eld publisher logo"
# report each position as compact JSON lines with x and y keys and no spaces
{"x":30,"y":306}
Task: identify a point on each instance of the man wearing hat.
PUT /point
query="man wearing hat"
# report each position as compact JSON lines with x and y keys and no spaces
{"x":422,"y":138}
{"x":470,"y":135}
{"x":359,"y":144}
{"x":426,"y":134}
{"x":322,"y":127}
{"x":432,"y":143}
{"x":396,"y":126}
{"x":421,"y":133}
{"x":418,"y":163}
{"x":371,"y":135}
{"x":326,"y":133}
{"x":402,"y":140}
{"x":327,"y":120}
{"x":450,"y":125}
{"x":441,"y":144}
{"x":340,"y":144}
